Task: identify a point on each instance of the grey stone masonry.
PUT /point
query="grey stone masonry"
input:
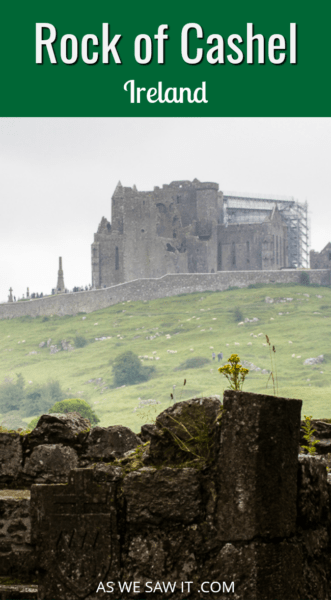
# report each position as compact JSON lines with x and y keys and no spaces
{"x":321,"y":260}
{"x":169,"y":285}
{"x":17,"y":556}
{"x":75,"y":531}
{"x":217,"y":494}
{"x":18,"y":592}
{"x":60,"y":287}
{"x":258,"y":466}
{"x":180,"y":228}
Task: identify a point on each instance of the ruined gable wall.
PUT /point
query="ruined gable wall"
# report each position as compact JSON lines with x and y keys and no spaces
{"x":161,"y":231}
{"x":107,"y":260}
{"x":321,"y":260}
{"x":313,"y":259}
{"x":202,"y":254}
{"x":117,"y":203}
{"x":152,"y":233}
{"x":183,"y":195}
{"x":239,"y":247}
{"x":207,"y":202}
{"x":95,"y":261}
{"x":273,"y":238}
{"x":170,"y":230}
{"x":198,"y":204}
{"x":253,"y":246}
{"x":139,"y":235}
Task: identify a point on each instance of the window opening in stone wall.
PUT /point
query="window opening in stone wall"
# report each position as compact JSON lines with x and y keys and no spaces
{"x":329,"y":255}
{"x":277,"y":249}
{"x":247,"y":251}
{"x":233,"y":253}
{"x":117,"y":260}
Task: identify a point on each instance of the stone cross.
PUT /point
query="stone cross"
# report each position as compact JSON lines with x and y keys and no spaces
{"x":10,"y":297}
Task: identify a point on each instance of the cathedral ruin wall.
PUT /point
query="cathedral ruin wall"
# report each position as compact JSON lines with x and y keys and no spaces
{"x":169,"y":285}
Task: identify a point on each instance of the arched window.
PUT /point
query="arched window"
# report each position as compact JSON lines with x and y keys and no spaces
{"x":117,"y":260}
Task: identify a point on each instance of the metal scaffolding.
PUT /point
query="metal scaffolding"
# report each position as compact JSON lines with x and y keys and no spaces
{"x":244,"y":208}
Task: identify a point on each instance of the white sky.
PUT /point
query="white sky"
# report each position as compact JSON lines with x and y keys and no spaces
{"x":57,"y":177}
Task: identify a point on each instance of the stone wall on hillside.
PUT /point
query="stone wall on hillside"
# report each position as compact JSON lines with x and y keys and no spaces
{"x":59,"y":444}
{"x":209,"y":494}
{"x":151,"y":289}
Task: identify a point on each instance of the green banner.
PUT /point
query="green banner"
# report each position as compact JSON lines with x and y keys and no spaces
{"x":175,"y":59}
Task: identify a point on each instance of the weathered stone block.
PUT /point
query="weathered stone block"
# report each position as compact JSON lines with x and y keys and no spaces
{"x":322,"y":428}
{"x":323,"y":446}
{"x":112,"y":442}
{"x":18,"y":592}
{"x":10,"y":457}
{"x":314,"y":541}
{"x":316,"y":577}
{"x":313,"y":496}
{"x":186,"y":431}
{"x":17,"y":556}
{"x":70,"y":429}
{"x":258,"y":465}
{"x":160,"y":557}
{"x":147,"y":432}
{"x":322,"y":433}
{"x":258,"y":570}
{"x":160,"y":496}
{"x":75,"y":529}
{"x":50,"y":464}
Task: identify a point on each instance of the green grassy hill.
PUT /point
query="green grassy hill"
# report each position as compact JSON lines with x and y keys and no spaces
{"x":167,"y":333}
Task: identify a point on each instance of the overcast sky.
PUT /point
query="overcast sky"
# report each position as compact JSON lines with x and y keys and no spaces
{"x":57,"y":177}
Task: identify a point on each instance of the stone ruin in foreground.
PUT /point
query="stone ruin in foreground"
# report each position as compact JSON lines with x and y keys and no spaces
{"x":241,"y":510}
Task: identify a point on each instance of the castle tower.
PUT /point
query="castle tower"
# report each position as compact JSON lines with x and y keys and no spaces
{"x":60,"y":281}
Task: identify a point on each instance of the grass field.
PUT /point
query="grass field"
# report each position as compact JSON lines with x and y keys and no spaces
{"x":193,"y":325}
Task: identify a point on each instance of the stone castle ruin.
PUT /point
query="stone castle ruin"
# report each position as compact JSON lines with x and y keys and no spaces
{"x":183,"y":238}
{"x":214,"y":495}
{"x":191,"y":227}
{"x":321,"y":260}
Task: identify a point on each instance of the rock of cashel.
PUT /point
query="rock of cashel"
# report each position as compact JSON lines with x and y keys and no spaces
{"x":184,"y":237}
{"x":184,"y":227}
